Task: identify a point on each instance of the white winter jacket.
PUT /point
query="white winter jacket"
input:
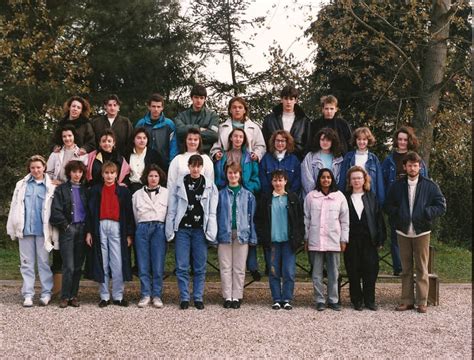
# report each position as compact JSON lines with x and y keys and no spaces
{"x":256,"y":142}
{"x":16,"y":216}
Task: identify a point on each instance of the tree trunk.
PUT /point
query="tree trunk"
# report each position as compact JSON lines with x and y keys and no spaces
{"x":433,"y":71}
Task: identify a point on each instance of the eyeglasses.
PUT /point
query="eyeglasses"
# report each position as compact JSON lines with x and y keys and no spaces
{"x":280,"y":140}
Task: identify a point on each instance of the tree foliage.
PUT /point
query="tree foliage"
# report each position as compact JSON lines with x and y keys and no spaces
{"x":384,"y":60}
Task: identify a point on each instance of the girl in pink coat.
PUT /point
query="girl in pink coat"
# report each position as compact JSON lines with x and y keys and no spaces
{"x":326,"y":219}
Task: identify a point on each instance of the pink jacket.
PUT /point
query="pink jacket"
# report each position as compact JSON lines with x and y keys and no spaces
{"x":326,"y":220}
{"x":124,"y":169}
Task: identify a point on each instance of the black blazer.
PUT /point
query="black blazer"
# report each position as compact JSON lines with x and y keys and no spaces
{"x":375,"y":220}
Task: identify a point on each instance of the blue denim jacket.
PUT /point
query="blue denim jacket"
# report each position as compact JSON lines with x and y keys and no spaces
{"x":373,"y":169}
{"x":389,"y":171}
{"x":246,"y":205}
{"x":290,"y":164}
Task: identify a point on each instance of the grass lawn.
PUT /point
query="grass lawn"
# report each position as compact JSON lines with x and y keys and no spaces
{"x":452,"y":264}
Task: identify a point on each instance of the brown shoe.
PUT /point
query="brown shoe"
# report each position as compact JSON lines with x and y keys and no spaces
{"x":63,"y":303}
{"x":74,"y":302}
{"x":404,"y":307}
{"x":422,"y":309}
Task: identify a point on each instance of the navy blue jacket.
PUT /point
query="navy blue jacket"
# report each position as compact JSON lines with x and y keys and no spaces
{"x":127,"y":228}
{"x":429,"y":204}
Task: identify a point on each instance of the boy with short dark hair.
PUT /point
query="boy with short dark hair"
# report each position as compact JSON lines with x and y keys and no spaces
{"x":121,"y":125}
{"x":162,"y":130}
{"x":289,"y":116}
{"x":191,"y":221}
{"x":109,"y":232}
{"x":329,"y":119}
{"x":198,"y":116}
{"x":69,"y":215}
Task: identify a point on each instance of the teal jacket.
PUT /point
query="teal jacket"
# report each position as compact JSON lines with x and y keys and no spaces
{"x":205,"y":118}
{"x":250,"y":179}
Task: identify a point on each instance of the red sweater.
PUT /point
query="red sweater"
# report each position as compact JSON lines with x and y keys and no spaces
{"x":109,"y":204}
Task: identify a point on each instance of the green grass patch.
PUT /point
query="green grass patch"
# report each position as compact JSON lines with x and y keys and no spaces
{"x":452,"y":264}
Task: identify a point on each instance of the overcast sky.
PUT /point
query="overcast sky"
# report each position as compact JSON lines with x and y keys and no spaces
{"x":285,"y":23}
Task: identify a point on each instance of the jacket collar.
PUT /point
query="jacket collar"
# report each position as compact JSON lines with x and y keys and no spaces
{"x":299,"y":112}
{"x":319,"y":194}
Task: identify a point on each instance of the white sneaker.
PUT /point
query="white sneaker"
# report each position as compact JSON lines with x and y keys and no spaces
{"x":28,"y":302}
{"x":157,"y":302}
{"x":144,"y":301}
{"x":44,"y":301}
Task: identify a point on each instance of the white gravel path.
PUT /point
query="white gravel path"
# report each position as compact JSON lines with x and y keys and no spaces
{"x":254,"y":331}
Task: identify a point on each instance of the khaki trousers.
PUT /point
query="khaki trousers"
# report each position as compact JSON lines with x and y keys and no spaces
{"x":414,"y":250}
{"x":232,"y":258}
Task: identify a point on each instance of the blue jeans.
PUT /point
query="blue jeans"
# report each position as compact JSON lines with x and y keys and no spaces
{"x":252,"y":264}
{"x":110,"y":244}
{"x":150,"y":242}
{"x":190,"y":242}
{"x":332,"y":266}
{"x":72,"y":249}
{"x":283,"y":265}
{"x":395,"y":250}
{"x":32,"y":250}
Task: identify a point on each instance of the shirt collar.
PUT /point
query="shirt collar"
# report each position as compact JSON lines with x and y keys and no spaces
{"x":278,"y":195}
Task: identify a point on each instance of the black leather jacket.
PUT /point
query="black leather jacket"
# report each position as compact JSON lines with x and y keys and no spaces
{"x":429,"y":204}
{"x":299,"y":130}
{"x":62,"y":205}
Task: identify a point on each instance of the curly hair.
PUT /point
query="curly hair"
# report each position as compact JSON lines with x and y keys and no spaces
{"x":290,"y":141}
{"x":332,"y":136}
{"x":148,"y":169}
{"x":86,"y":107}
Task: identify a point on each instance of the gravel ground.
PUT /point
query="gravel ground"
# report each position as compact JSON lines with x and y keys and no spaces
{"x":254,"y":331}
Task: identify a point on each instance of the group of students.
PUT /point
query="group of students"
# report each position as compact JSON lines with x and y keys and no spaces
{"x":234,"y":185}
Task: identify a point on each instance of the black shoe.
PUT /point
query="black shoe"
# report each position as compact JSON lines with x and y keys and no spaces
{"x":276,"y":306}
{"x":123,"y":302}
{"x":357,"y":306}
{"x":335,"y":307}
{"x":199,"y":305}
{"x":372,"y":306}
{"x":320,"y":306}
{"x":256,"y":275}
{"x":235,"y":304}
{"x":227,"y":304}
{"x":184,"y":305}
{"x":104,"y":303}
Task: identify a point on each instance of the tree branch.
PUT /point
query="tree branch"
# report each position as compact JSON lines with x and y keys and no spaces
{"x":348,"y":5}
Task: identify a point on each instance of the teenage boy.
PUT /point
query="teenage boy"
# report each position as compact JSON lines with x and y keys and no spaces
{"x":121,"y":125}
{"x":110,"y":229}
{"x":191,"y":221}
{"x":289,"y":116}
{"x":162,"y":130}
{"x":198,"y":116}
{"x":330,"y":120}
{"x":413,"y":203}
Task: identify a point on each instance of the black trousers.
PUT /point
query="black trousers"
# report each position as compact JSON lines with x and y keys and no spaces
{"x":362,"y":263}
